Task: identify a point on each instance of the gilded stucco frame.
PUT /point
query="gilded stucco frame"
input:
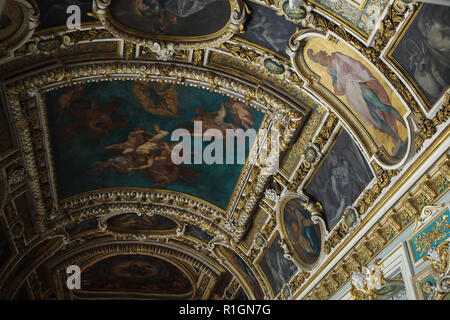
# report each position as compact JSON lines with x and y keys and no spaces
{"x":173,"y":253}
{"x":257,"y":96}
{"x":350,"y":120}
{"x":30,"y":11}
{"x":139,"y":234}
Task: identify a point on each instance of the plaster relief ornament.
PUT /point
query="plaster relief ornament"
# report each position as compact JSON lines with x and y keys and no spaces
{"x":18,"y":21}
{"x":426,"y":214}
{"x":440,"y":265}
{"x":356,"y":90}
{"x":272,"y":195}
{"x":365,"y":283}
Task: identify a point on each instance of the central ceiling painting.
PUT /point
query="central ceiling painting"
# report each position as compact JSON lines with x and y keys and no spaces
{"x":172,"y":17}
{"x":118,"y":134}
{"x":136,"y":274}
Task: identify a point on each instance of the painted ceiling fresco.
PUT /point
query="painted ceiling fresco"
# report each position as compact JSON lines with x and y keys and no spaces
{"x":358,"y":90}
{"x":371,"y":101}
{"x":132,"y":222}
{"x":267,"y":29}
{"x":108,"y":132}
{"x":340,"y":178}
{"x":424,"y":51}
{"x":136,"y":274}
{"x":303,"y":234}
{"x":277,"y":269}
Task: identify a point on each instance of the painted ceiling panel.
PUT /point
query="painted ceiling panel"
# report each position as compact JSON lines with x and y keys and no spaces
{"x":136,"y":274}
{"x":87,"y":176}
{"x":130,"y":222}
{"x":277,"y":269}
{"x":96,"y":129}
{"x":267,"y":29}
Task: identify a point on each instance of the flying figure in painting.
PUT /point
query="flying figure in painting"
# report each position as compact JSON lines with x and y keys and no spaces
{"x":147,"y":153}
{"x":214,"y":119}
{"x":137,"y":153}
{"x":363,"y":91}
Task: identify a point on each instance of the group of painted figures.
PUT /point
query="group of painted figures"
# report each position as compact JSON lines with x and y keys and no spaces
{"x":149,"y":153}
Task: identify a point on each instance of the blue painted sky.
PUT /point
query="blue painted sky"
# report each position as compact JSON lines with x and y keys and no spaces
{"x":75,"y":157}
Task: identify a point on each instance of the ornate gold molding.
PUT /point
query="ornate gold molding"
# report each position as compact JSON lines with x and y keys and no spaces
{"x":279,"y":112}
{"x":394,"y":222}
{"x":30,"y":19}
{"x":93,"y":252}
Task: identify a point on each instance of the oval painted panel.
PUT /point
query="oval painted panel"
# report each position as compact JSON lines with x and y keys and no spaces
{"x":363,"y":90}
{"x":176,"y":18}
{"x":131,"y":222}
{"x":295,"y":14}
{"x":273,"y":66}
{"x":49,"y":44}
{"x":302,"y":232}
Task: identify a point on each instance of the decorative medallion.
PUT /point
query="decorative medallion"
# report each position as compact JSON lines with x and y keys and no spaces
{"x":302,"y":229}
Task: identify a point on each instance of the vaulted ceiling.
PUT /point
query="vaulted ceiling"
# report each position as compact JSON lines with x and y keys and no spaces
{"x":348,"y":91}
